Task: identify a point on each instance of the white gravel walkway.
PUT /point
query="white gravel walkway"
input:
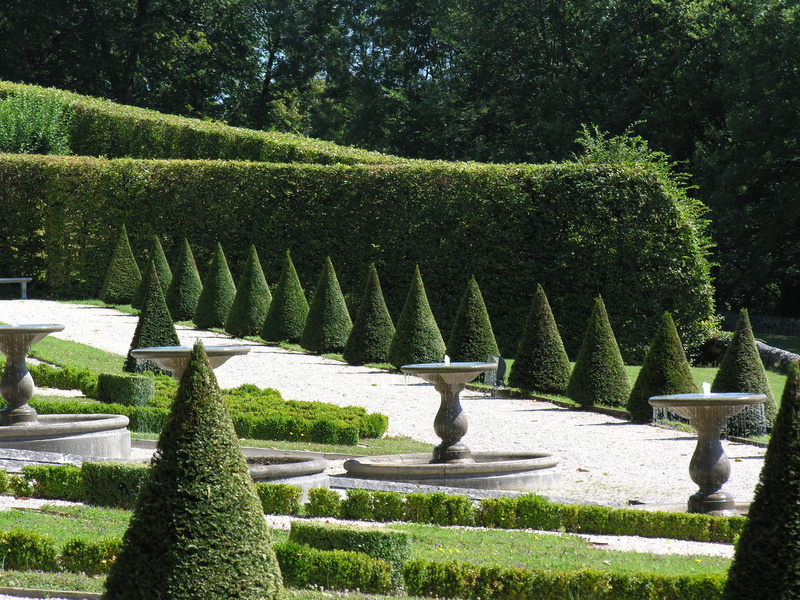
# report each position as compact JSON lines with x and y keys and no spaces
{"x":603,"y":459}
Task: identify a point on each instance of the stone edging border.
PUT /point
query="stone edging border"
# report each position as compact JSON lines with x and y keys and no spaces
{"x":35,"y":593}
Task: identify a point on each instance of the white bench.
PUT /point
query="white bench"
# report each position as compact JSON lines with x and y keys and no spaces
{"x":23,"y":284}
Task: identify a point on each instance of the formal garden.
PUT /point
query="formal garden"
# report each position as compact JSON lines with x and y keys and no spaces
{"x":591,"y":278}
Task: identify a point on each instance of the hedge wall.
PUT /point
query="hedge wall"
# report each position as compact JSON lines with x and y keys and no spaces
{"x":578,"y":230}
{"x":102,"y":128}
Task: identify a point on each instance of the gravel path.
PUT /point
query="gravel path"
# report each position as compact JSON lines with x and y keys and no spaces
{"x":603,"y":459}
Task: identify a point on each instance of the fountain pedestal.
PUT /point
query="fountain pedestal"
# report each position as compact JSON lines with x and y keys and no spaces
{"x":709,"y":468}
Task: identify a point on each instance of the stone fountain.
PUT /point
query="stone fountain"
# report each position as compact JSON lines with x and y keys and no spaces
{"x":709,"y":468}
{"x":452,"y":463}
{"x":306,"y":470}
{"x":22,"y":428}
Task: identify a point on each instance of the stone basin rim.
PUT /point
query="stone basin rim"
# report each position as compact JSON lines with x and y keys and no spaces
{"x":185,"y":351}
{"x":35,"y":328}
{"x":63,"y":424}
{"x":453,"y":367}
{"x":707,"y":400}
{"x":419,"y":464}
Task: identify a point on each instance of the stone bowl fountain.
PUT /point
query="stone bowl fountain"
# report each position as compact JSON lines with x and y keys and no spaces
{"x":709,"y":468}
{"x":22,"y":428}
{"x":452,"y":463}
{"x":175,"y":359}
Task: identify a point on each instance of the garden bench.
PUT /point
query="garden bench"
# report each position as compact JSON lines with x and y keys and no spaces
{"x":23,"y":284}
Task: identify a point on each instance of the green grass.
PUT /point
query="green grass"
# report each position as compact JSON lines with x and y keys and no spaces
{"x":68,"y":522}
{"x":536,"y":550}
{"x":72,"y":354}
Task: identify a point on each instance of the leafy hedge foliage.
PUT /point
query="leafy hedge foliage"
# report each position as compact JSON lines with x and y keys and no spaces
{"x":471,"y":338}
{"x":55,"y":482}
{"x":457,"y":579}
{"x":112,"y":484}
{"x":251,"y":302}
{"x":123,"y":276}
{"x":373,"y":329}
{"x":578,"y":229}
{"x":98,"y":127}
{"x":328,"y":322}
{"x":185,"y":287}
{"x":125,"y":389}
{"x":216,"y":297}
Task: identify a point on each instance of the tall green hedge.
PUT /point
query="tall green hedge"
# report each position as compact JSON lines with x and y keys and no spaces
{"x":328,"y":322}
{"x":216,"y":297}
{"x":472,"y":338}
{"x":286,"y":316}
{"x":185,"y":287}
{"x":373,"y":328}
{"x":578,"y":229}
{"x":250,"y":305}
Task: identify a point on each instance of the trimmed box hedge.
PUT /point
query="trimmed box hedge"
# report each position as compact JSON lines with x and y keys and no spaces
{"x":125,"y":389}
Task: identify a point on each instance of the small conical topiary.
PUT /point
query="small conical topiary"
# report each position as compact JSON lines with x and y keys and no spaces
{"x":185,"y":287}
{"x":373,"y":329}
{"x":155,"y":254}
{"x":541,"y":363}
{"x":665,"y":370}
{"x":417,"y":338}
{"x":741,"y":370}
{"x":251,"y":303}
{"x":198,"y":528}
{"x":155,"y":327}
{"x":472,"y":337}
{"x":599,"y":376}
{"x":123,"y":276}
{"x":328,"y":323}
{"x":286,"y":317}
{"x":767,"y":558}
{"x":218,"y":292}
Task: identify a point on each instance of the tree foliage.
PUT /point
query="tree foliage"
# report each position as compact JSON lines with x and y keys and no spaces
{"x":767,"y":555}
{"x":471,"y":338}
{"x":665,"y":370}
{"x":217,"y":294}
{"x":185,"y":288}
{"x":250,"y":305}
{"x":197,"y":529}
{"x":599,"y":375}
{"x":373,"y":329}
{"x":155,"y":254}
{"x":123,"y":276}
{"x":154,"y":327}
{"x":286,"y":316}
{"x":417,"y":338}
{"x":541,"y":363}
{"x":328,"y":322}
{"x":741,"y":370}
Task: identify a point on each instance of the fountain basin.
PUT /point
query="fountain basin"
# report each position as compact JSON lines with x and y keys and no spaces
{"x":705,"y":406}
{"x":85,"y":435}
{"x":175,"y":359}
{"x":490,"y":470}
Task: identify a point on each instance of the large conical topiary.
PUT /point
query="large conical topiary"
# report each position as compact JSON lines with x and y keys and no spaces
{"x":185,"y":287}
{"x":741,"y":370}
{"x":665,"y":370}
{"x":472,"y":337}
{"x":767,"y":559}
{"x":155,"y":327}
{"x":417,"y":338}
{"x":198,"y":529}
{"x":251,"y":303}
{"x":328,"y":322}
{"x":155,"y":254}
{"x":373,"y":329}
{"x":218,"y":292}
{"x":123,"y":276}
{"x":288,"y":310}
{"x":541,"y":363}
{"x":599,"y":376}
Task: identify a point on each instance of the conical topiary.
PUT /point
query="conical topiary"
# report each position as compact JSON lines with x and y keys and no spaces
{"x":156,"y":254}
{"x":373,"y":329}
{"x":123,"y":276}
{"x":155,"y":327}
{"x":185,"y":287}
{"x":288,"y":310}
{"x":741,"y":370}
{"x":250,"y":305}
{"x":198,"y":528}
{"x":417,"y":338}
{"x":218,"y":292}
{"x":599,"y":376}
{"x":328,"y":323}
{"x":767,"y":558}
{"x":665,"y":370}
{"x":472,"y":337}
{"x":541,"y":363}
